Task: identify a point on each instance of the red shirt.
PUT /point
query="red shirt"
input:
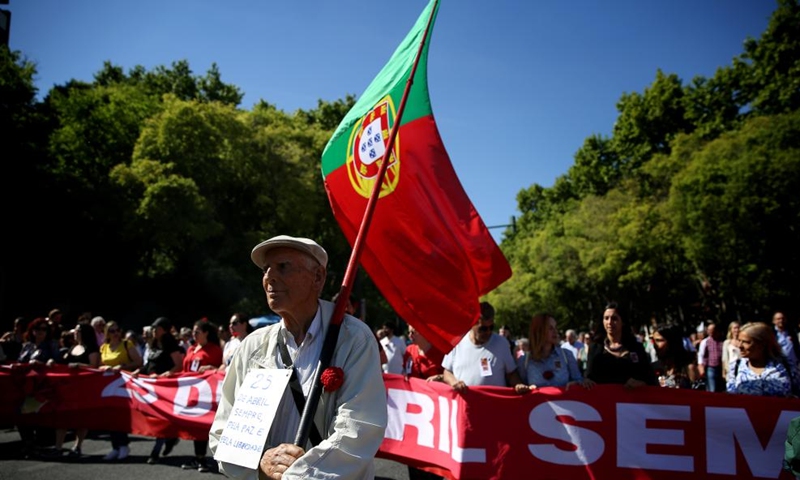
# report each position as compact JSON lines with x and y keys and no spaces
{"x":208,"y":354}
{"x":422,"y":366}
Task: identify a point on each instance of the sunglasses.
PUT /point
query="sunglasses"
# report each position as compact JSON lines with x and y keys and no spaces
{"x":113,"y":330}
{"x":485,"y":328}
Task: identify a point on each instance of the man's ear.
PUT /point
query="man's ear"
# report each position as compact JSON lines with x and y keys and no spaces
{"x":320,"y":275}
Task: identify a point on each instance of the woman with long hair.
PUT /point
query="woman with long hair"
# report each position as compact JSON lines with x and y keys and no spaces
{"x":546,"y":364}
{"x":762,"y":369}
{"x":205,"y":354}
{"x":730,"y":348}
{"x":616,"y":356}
{"x":675,"y":366}
{"x":84,"y":352}
{"x":117,"y":354}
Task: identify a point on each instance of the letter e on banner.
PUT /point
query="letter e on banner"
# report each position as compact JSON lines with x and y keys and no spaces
{"x":543,"y":420}
{"x":633,"y":437}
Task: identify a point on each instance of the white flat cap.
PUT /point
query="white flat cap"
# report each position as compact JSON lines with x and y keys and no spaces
{"x":304,"y":245}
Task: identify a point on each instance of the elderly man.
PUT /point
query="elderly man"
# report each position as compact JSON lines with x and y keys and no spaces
{"x":481,"y":357}
{"x":352,"y":419}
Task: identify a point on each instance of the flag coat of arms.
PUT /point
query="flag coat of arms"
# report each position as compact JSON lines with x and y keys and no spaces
{"x":427,"y":249}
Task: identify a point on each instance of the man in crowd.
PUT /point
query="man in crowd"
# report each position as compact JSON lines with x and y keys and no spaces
{"x":571,"y":343}
{"x":99,"y":325}
{"x":481,"y":357}
{"x":394,"y":347}
{"x":709,"y":358}
{"x":787,"y":339}
{"x":352,"y":419}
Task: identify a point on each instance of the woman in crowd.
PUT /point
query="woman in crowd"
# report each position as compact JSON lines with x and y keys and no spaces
{"x":204,"y":354}
{"x":616,"y":356}
{"x":424,"y":361}
{"x":239,"y":328}
{"x":163,"y":359}
{"x":117,"y":354}
{"x":84,"y":352}
{"x":547,"y":364}
{"x":38,"y":347}
{"x":730,"y":348}
{"x":762,"y":368}
{"x":675,"y":367}
{"x":421,"y":359}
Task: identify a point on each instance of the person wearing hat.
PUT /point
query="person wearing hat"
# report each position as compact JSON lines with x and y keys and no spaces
{"x":350,"y":420}
{"x":163,"y":359}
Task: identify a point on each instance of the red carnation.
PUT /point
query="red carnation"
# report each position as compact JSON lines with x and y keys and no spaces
{"x":548,"y":374}
{"x":332,"y":378}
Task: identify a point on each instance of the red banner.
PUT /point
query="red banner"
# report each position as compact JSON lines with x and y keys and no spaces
{"x":181,"y":406}
{"x":485,"y":433}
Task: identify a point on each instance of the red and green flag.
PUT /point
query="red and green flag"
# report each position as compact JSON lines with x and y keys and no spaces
{"x":427,"y":249}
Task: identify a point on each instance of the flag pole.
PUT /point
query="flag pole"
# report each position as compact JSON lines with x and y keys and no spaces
{"x":332,"y":335}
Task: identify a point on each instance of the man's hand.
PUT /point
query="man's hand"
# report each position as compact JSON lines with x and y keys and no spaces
{"x":276,"y":460}
{"x":459,"y":386}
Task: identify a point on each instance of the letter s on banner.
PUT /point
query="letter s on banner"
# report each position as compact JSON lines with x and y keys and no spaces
{"x":543,"y":420}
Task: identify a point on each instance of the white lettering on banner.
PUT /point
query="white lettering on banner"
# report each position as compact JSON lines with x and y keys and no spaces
{"x":126,"y":386}
{"x":185,"y":387}
{"x":727,"y":426}
{"x":633,"y":437}
{"x":463,"y":455}
{"x":589,"y":445}
{"x":400,"y":416}
{"x":444,"y":418}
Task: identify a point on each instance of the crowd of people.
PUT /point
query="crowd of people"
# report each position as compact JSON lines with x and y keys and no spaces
{"x":753,"y":358}
{"x":93,"y":342}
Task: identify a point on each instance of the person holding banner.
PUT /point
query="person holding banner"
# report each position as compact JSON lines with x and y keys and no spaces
{"x":616,"y":356}
{"x":481,"y":357}
{"x":762,"y":369}
{"x":351,"y":417}
{"x":547,"y":364}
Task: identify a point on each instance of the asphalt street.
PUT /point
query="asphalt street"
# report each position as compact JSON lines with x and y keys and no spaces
{"x":91,"y":464}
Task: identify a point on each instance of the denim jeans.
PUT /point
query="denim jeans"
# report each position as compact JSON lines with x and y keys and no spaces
{"x":714,"y":380}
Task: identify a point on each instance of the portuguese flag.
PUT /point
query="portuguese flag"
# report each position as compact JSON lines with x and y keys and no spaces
{"x":427,"y":249}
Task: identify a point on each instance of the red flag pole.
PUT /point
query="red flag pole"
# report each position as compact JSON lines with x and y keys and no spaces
{"x":332,"y":335}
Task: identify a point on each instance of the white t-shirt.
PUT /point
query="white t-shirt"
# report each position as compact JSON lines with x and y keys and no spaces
{"x":395,"y":348}
{"x":230,"y":347}
{"x":486,"y":364}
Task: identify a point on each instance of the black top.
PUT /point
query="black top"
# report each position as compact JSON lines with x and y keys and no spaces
{"x":603,"y":367}
{"x":160,"y":358}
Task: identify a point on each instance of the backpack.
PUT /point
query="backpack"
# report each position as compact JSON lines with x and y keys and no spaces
{"x":791,"y":455}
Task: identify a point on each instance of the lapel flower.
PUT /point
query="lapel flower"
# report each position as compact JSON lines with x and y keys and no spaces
{"x":548,"y":374}
{"x":332,"y":378}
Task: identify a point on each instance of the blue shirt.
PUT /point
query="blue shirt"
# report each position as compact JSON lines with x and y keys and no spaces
{"x":774,"y":381}
{"x":561,"y":365}
{"x":785,"y":341}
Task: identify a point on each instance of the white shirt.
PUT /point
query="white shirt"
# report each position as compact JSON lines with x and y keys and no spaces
{"x":395,"y":348}
{"x":305,"y":358}
{"x":575,"y":349}
{"x":230,"y":348}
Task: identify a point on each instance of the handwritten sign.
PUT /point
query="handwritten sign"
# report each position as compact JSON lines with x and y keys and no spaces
{"x":251,"y":416}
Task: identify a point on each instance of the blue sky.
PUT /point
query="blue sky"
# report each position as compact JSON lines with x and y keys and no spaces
{"x":516,"y":85}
